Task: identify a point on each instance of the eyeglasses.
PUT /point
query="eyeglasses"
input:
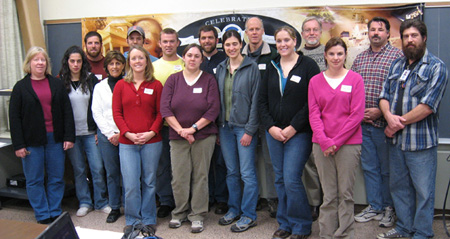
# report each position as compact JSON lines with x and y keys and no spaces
{"x":315,"y":30}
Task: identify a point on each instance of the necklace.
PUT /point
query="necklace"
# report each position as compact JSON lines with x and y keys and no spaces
{"x":75,"y":84}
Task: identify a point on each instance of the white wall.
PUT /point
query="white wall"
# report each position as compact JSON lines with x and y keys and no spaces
{"x":65,"y":9}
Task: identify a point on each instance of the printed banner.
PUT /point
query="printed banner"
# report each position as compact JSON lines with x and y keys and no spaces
{"x":349,"y":23}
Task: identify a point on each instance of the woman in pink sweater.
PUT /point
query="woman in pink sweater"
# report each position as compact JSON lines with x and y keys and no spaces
{"x":336,"y":109}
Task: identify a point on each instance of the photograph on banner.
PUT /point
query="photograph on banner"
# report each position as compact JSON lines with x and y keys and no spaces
{"x":347,"y":22}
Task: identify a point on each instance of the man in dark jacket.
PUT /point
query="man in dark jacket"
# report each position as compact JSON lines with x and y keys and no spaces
{"x":262,"y":54}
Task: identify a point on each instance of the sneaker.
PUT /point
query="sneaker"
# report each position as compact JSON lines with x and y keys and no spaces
{"x":280,"y":234}
{"x":148,"y":230}
{"x":391,"y":234}
{"x":197,"y":226}
{"x":388,"y":219}
{"x":368,"y":214}
{"x":131,"y":231}
{"x":106,"y":209}
{"x":273,"y":205}
{"x":83,"y":211}
{"x":176,"y":223}
{"x":243,"y":224}
{"x":228,"y":218}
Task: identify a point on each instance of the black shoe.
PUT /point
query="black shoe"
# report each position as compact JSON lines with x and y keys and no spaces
{"x":280,"y":234}
{"x":164,"y":211}
{"x":315,"y":210}
{"x":221,"y":208}
{"x":210,"y":205}
{"x":273,"y":205}
{"x":113,"y":216}
{"x":45,"y":221}
{"x":262,"y":202}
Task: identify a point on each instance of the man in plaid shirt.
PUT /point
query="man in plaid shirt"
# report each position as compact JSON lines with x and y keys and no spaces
{"x":373,"y":65}
{"x":409,"y":101}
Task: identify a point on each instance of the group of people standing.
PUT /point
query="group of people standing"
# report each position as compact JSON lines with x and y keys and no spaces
{"x":309,"y":113}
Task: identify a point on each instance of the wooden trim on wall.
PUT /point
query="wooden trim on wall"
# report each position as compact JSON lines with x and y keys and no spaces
{"x":62,"y":21}
{"x":437,"y":4}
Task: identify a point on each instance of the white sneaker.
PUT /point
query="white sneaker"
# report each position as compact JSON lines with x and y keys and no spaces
{"x":83,"y":211}
{"x":106,"y":209}
{"x":368,"y":214}
{"x":176,"y":223}
{"x":388,"y":219}
{"x":197,"y":226}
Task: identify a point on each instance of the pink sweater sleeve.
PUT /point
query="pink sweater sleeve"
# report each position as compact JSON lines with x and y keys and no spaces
{"x":357,"y":105}
{"x":315,"y":114}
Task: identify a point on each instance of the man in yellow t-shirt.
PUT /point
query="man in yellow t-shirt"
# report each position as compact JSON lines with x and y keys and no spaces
{"x":168,"y":64}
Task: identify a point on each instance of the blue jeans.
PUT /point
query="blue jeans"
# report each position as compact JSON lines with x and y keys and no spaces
{"x":164,"y":173}
{"x":217,"y":185}
{"x":288,"y":160}
{"x":240,"y":162}
{"x":86,"y":144}
{"x":375,"y":163}
{"x":138,"y":164}
{"x":413,"y":179}
{"x":45,"y":198}
{"x":111,"y":162}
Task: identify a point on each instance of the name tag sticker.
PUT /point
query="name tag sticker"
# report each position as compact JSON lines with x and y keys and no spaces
{"x":404,"y":75}
{"x":177,"y":67}
{"x":99,"y":76}
{"x":197,"y":90}
{"x":346,"y":88}
{"x":148,"y":91}
{"x":214,"y":70}
{"x":296,"y":79}
{"x":262,"y":66}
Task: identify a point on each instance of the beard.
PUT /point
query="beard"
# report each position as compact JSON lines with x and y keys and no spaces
{"x":211,"y":49}
{"x":93,"y":54}
{"x":414,"y":53}
{"x":312,"y":42}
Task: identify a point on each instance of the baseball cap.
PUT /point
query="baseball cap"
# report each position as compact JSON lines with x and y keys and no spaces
{"x":137,"y":29}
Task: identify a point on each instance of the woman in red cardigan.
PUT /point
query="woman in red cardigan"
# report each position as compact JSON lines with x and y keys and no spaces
{"x":136,"y":102}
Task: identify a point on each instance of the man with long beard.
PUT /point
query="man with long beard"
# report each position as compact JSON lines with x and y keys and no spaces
{"x":93,"y":44}
{"x":410,"y":101}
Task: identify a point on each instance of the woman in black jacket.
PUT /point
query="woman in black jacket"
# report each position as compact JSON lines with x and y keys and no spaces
{"x":79,"y":84}
{"x":42,"y":127}
{"x":283,"y":107}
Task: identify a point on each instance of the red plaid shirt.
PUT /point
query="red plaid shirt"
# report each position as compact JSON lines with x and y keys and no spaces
{"x":374,"y":68}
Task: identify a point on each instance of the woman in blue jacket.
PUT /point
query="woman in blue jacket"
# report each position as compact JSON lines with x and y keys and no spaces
{"x":238,"y":79}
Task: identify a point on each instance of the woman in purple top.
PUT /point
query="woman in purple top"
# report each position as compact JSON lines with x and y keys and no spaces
{"x":336,"y":109}
{"x":190,"y":104}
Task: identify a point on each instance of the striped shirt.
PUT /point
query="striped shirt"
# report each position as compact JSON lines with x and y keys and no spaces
{"x":374,"y":68}
{"x":425,"y":84}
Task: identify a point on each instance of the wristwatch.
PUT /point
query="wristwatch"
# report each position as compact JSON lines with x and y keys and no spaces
{"x":195,"y":127}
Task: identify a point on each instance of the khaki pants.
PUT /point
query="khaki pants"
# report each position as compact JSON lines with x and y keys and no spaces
{"x":190,"y":165}
{"x":337,"y":174}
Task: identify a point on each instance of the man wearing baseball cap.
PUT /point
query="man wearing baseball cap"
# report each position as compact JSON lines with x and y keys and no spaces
{"x":136,"y":37}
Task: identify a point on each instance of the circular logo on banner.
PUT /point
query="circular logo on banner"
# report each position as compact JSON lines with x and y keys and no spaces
{"x":222,"y":23}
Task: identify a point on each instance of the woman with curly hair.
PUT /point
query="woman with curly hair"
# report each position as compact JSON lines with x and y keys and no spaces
{"x":79,"y":84}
